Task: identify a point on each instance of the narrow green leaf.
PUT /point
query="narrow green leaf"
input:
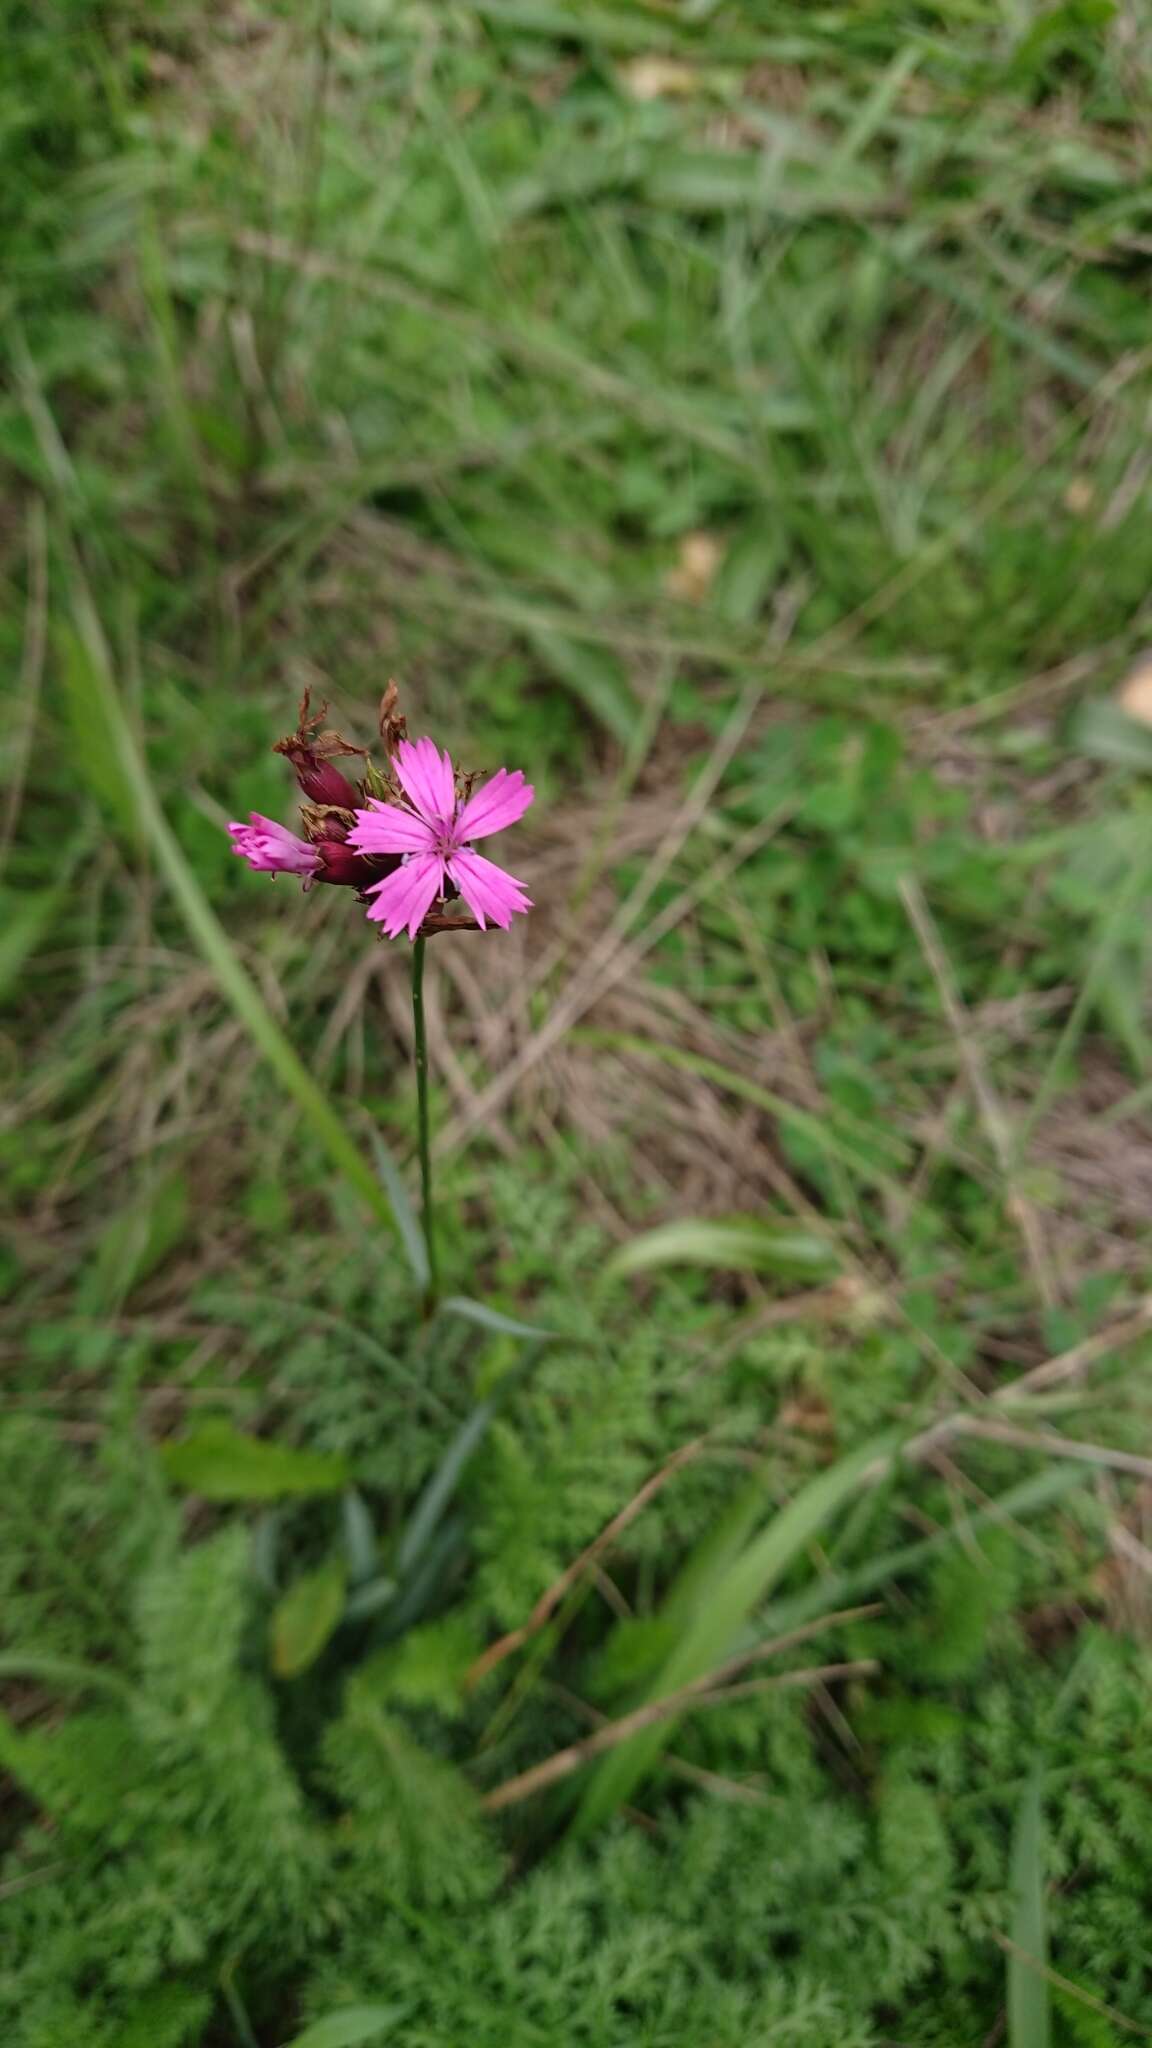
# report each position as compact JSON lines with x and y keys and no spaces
{"x":305,"y":1617}
{"x":100,"y":765}
{"x":135,"y":1241}
{"x":1029,"y":1993}
{"x":442,"y":1485}
{"x":347,"y":2029}
{"x":360,"y":1545}
{"x":609,"y":28}
{"x":424,"y":1524}
{"x":844,"y":1588}
{"x":133,"y":787}
{"x":24,"y":921}
{"x":495,"y":1320}
{"x":267,"y":1531}
{"x":66,"y":1674}
{"x":594,"y":676}
{"x":370,"y":1598}
{"x":407,"y":1222}
{"x":948,"y":281}
{"x":742,"y":1244}
{"x":271,"y":1311}
{"x":219,"y":1462}
{"x":724,"y":1595}
{"x":818,"y":1130}
{"x":26,"y":917}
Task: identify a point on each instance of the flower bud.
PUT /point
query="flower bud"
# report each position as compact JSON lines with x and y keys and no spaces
{"x":338,"y":864}
{"x":271,"y":849}
{"x":323,"y":784}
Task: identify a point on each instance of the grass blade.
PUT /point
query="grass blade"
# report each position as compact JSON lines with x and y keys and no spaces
{"x":361,"y":1549}
{"x":743,"y":1244}
{"x":818,"y":1130}
{"x":716,"y":1597}
{"x":135,"y":1240}
{"x":430,"y":1507}
{"x":595,"y":678}
{"x":495,"y":1320}
{"x":371,"y":1598}
{"x":93,"y":678}
{"x":26,"y":919}
{"x":1029,"y":1996}
{"x":407,"y":1222}
{"x":69,"y":1674}
{"x":429,"y":1511}
{"x":842,"y":1588}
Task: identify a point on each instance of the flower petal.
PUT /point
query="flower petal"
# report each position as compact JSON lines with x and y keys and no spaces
{"x":492,"y":896}
{"x":497,"y":803}
{"x":403,"y":900}
{"x":425,"y":775}
{"x":270,"y":848}
{"x":388,"y":828}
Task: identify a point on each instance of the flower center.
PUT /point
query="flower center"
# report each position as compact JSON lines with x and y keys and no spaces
{"x":448,"y":840}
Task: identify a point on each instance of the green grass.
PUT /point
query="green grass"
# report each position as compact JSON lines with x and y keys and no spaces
{"x":735,"y":417}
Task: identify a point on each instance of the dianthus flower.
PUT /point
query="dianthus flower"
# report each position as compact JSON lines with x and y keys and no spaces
{"x":432,"y":833}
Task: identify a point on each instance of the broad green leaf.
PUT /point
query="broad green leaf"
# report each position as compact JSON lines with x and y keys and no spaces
{"x":219,"y":1462}
{"x":305,"y":1616}
{"x":1029,"y":1993}
{"x":742,"y":1245}
{"x":347,"y":2029}
{"x":736,"y":1577}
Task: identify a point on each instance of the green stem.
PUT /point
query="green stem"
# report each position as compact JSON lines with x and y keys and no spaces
{"x":432,"y":1291}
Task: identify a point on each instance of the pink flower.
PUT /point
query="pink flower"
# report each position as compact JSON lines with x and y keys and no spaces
{"x":432,"y":832}
{"x":271,"y":848}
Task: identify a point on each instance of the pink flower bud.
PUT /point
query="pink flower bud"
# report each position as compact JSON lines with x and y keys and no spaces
{"x":271,"y":848}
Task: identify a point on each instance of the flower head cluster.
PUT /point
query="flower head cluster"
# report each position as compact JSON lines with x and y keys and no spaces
{"x":402,"y":840}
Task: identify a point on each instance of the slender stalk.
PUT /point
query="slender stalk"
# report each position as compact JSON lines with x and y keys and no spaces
{"x":432,"y":1291}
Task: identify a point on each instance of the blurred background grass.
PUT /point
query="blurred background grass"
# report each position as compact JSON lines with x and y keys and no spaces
{"x":737,"y":417}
